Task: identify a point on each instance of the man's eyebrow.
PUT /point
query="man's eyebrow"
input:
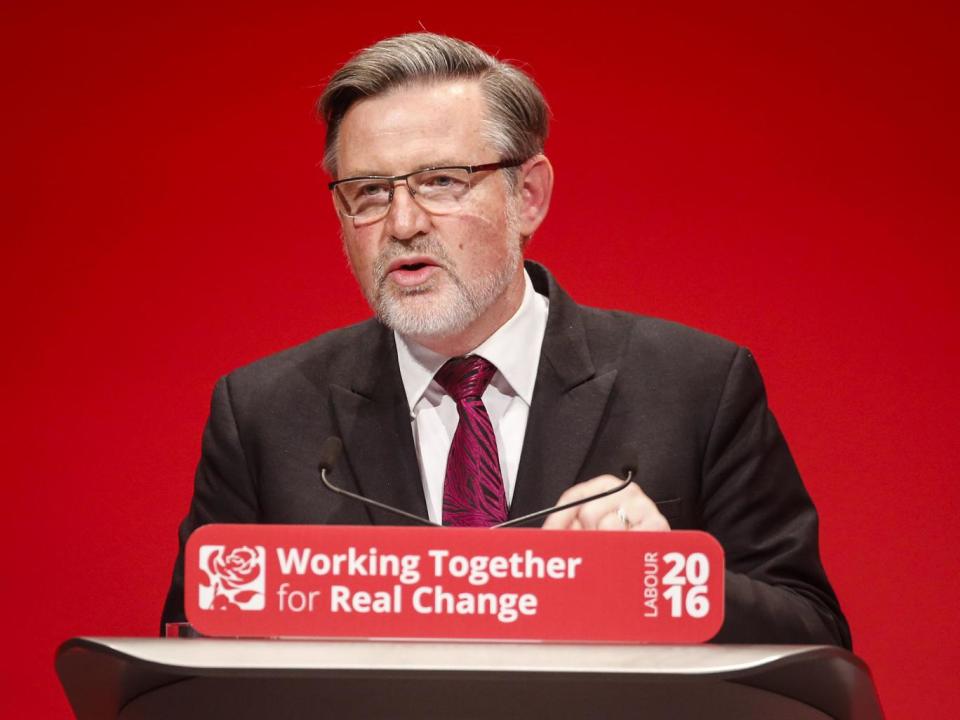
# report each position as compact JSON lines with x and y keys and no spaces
{"x":443,"y":162}
{"x":361,"y":173}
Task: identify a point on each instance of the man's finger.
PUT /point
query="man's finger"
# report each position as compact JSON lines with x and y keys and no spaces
{"x":611,"y":521}
{"x":562,"y":519}
{"x":652,"y":522}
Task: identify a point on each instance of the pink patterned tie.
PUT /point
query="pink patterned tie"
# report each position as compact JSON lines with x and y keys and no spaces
{"x":473,"y":494}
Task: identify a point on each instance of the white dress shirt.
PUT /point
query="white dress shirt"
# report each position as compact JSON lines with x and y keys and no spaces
{"x":515,"y":351}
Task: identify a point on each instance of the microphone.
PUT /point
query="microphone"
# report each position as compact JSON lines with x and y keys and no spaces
{"x":329,"y":454}
{"x":332,"y":448}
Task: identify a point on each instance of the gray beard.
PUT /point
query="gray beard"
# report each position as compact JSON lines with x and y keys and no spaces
{"x":426,"y":312}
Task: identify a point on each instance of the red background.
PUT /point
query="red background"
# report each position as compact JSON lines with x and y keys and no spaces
{"x":783,"y":174}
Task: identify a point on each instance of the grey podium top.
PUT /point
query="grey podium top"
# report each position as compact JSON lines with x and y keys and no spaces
{"x":213,"y":678}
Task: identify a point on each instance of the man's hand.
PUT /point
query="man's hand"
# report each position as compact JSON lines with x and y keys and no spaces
{"x":629,"y":509}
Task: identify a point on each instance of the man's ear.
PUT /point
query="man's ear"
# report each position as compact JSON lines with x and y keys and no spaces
{"x":535,"y":187}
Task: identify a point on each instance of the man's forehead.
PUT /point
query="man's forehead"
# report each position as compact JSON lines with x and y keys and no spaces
{"x":414,"y":126}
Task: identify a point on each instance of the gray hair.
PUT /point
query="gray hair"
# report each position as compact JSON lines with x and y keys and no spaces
{"x":518,"y":115}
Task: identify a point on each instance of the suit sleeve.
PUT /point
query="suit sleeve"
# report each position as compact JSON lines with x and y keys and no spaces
{"x":224,"y":489}
{"x":754,"y":502}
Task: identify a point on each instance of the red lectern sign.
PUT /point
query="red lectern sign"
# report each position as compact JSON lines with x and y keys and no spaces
{"x":509,"y":584}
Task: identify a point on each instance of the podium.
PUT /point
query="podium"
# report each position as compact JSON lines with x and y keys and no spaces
{"x":143,"y":678}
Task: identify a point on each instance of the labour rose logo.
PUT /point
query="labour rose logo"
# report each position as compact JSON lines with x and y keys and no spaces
{"x":232,"y":577}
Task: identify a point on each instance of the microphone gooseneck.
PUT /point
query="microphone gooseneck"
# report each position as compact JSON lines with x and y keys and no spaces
{"x":332,"y":448}
{"x":557,"y":508}
{"x":329,"y":454}
{"x":628,"y":451}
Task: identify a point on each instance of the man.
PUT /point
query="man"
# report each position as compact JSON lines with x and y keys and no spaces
{"x":482,"y":391}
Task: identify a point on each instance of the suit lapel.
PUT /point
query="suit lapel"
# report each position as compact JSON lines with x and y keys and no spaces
{"x":374,"y":423}
{"x":569,"y":399}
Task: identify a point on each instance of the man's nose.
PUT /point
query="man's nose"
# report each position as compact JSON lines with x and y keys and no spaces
{"x":405,"y":218}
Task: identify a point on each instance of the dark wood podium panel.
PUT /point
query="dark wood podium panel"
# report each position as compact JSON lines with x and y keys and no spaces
{"x":141,"y":679}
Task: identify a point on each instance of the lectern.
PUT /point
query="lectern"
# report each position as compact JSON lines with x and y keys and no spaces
{"x":213,"y":679}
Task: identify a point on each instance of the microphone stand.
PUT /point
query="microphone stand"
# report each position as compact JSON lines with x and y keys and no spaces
{"x":332,"y":448}
{"x":375,"y":503}
{"x":557,"y":508}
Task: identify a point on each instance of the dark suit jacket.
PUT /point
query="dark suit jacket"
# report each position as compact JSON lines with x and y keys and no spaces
{"x":687,"y":409}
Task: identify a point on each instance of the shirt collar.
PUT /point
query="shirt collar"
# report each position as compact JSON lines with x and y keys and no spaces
{"x":514,"y":349}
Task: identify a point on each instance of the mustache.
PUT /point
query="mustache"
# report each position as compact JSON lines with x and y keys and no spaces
{"x":422,"y":245}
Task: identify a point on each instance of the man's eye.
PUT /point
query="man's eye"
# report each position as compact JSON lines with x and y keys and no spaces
{"x":441,"y":181}
{"x":371,"y":190}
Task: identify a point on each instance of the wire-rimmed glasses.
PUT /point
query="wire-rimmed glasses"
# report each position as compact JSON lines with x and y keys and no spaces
{"x":438,"y":190}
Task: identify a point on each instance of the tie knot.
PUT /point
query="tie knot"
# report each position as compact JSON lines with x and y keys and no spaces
{"x":465,"y":377}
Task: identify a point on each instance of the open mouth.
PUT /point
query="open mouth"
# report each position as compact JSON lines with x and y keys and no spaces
{"x":411,"y":264}
{"x":411,"y":271}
